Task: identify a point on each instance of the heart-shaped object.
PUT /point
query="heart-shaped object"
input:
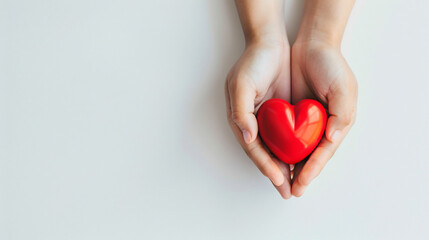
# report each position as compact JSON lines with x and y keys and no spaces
{"x":291,"y":132}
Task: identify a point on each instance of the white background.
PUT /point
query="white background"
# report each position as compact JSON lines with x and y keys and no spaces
{"x":112,"y":126}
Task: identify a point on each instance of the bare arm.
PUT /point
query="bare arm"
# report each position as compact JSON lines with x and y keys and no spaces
{"x":325,"y":20}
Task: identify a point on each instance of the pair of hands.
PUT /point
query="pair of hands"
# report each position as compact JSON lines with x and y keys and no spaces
{"x":270,"y":68}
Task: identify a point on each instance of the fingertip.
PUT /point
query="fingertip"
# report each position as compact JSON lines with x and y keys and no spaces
{"x":298,"y":191}
{"x":248,"y":125}
{"x":284,"y":191}
{"x":298,"y":187}
{"x":296,"y":194}
{"x":277,"y":179}
{"x":334,"y":136}
{"x":286,"y":196}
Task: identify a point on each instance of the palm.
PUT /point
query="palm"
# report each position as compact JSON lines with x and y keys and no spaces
{"x":317,"y":70}
{"x":267,"y":70}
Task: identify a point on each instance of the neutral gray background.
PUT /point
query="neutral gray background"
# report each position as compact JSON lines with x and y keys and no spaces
{"x":112,"y":126}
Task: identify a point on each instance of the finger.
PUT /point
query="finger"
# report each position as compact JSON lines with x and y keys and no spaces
{"x":256,"y":152}
{"x":296,"y":172}
{"x":262,"y":159}
{"x":242,"y":101}
{"x":314,"y":165}
{"x":285,"y":188}
{"x":342,"y":111}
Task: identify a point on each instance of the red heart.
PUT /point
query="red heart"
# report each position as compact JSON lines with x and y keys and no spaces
{"x":291,"y":132}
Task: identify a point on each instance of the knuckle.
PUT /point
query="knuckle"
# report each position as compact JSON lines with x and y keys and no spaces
{"x":236,"y":117}
{"x":250,"y":151}
{"x":232,"y":85}
{"x":231,"y":123}
{"x":347,"y":119}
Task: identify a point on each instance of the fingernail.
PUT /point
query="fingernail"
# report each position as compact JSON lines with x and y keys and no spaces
{"x":335,"y":136}
{"x":247,"y":137}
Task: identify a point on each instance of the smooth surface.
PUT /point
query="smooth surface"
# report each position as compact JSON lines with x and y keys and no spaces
{"x":291,"y":132}
{"x":113,"y":126}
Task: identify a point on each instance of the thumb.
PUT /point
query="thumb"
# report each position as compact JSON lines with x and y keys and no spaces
{"x":242,"y":102}
{"x":342,"y":108}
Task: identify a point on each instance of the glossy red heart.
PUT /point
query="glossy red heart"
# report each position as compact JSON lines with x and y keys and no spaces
{"x":291,"y":132}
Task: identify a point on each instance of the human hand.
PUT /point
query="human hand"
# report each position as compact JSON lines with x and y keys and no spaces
{"x":261,"y":73}
{"x":319,"y":71}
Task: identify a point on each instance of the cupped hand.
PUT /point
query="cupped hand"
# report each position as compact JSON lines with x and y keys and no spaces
{"x":261,"y":73}
{"x":319,"y":71}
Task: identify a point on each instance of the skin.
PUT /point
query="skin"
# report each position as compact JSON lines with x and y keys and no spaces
{"x":313,"y":68}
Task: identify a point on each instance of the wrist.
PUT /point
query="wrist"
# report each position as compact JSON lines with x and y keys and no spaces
{"x":262,"y":21}
{"x":313,"y":35}
{"x":307,"y":49}
{"x":320,"y":29}
{"x":266,"y":37}
{"x":324,"y":21}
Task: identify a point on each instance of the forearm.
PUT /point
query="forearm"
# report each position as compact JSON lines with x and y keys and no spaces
{"x":262,"y":20}
{"x":325,"y":20}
